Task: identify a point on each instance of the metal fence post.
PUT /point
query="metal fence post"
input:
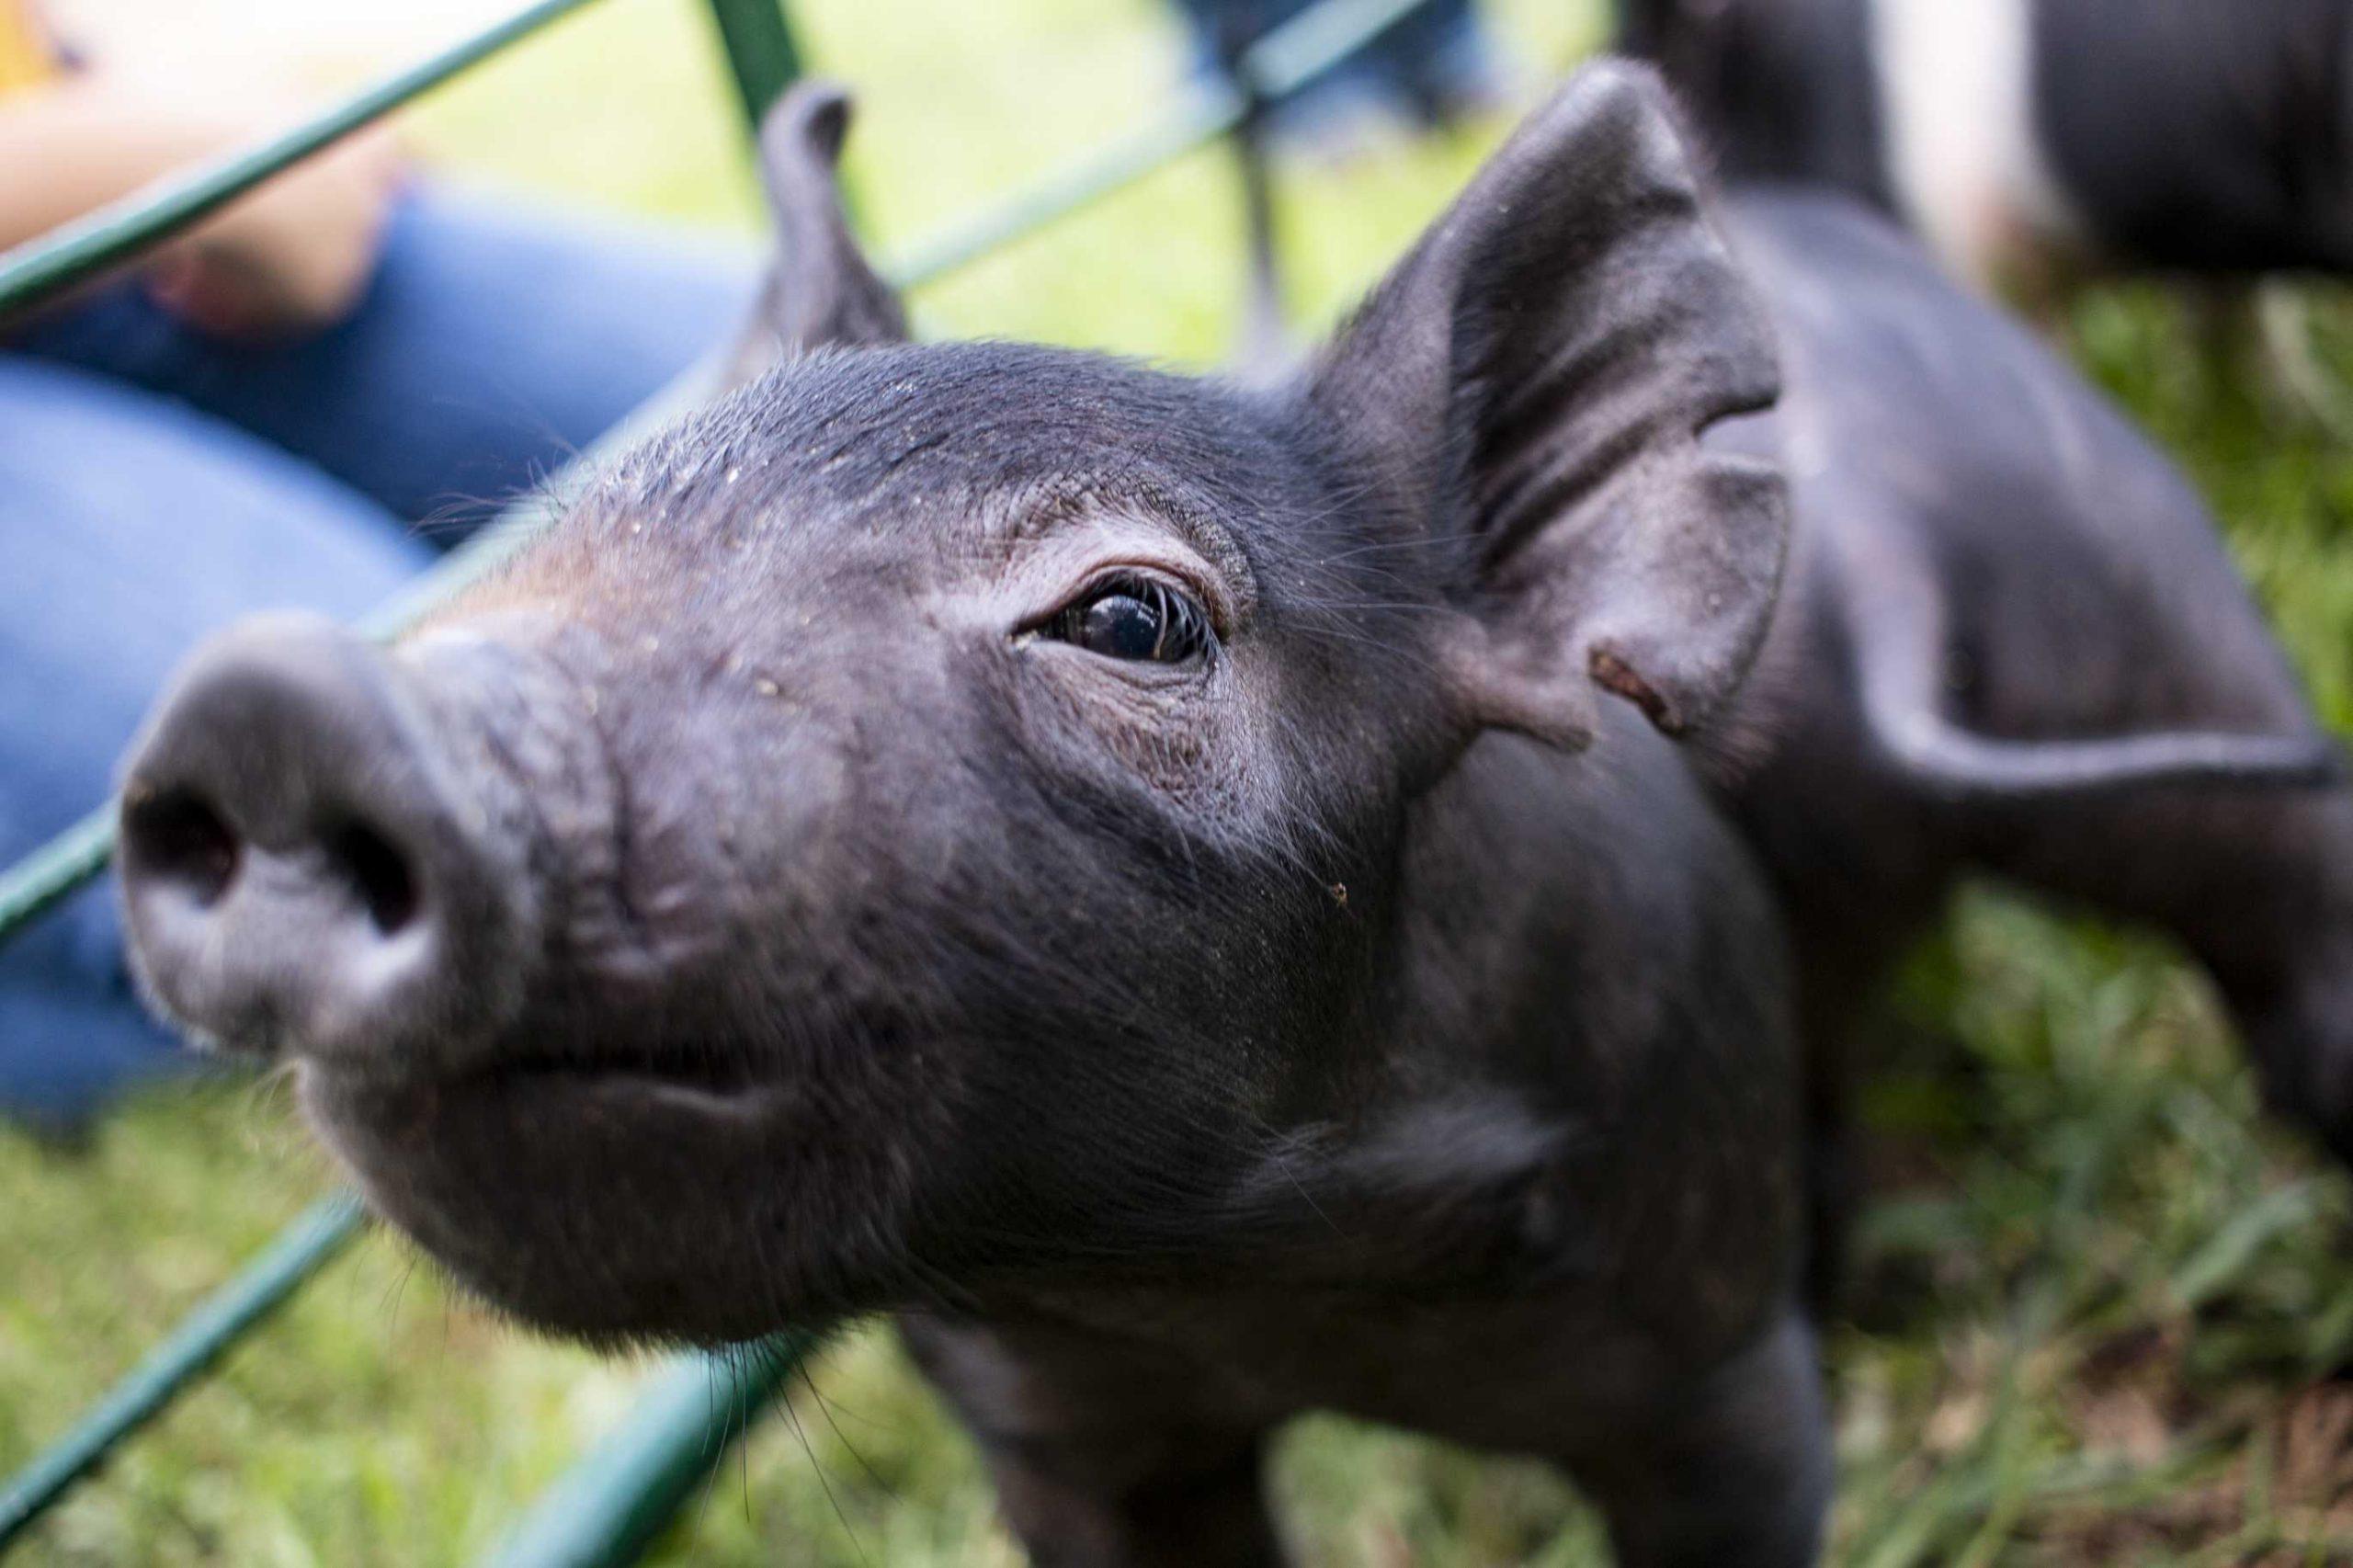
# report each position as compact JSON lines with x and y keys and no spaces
{"x":761,"y":52}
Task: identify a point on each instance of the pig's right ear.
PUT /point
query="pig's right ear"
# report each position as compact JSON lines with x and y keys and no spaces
{"x":820,"y":293}
{"x":1529,"y":389}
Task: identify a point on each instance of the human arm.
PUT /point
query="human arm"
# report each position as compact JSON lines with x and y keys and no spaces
{"x":290,"y":257}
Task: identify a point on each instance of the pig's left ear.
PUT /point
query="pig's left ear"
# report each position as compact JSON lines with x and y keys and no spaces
{"x":820,"y":293}
{"x":1531,"y":383}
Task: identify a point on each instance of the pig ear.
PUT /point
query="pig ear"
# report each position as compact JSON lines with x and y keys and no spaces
{"x":820,"y":293}
{"x":1532,"y":384}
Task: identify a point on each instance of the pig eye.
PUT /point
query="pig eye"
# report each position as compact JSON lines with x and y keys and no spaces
{"x":1136,"y":618}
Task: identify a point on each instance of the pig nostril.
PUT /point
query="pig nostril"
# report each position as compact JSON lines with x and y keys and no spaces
{"x":378,"y":872}
{"x":177,"y":837}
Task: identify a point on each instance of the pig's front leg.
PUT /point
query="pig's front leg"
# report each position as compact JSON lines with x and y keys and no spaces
{"x":1103,"y":1456}
{"x":1738,"y":1475}
{"x":1137,"y":1500}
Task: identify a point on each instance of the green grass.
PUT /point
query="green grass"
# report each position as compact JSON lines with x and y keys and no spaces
{"x":2102,"y":1311}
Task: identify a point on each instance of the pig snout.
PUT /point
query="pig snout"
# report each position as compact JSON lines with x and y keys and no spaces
{"x":307,"y":867}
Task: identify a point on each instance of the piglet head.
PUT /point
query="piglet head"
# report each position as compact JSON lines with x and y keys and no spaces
{"x":930,"y":823}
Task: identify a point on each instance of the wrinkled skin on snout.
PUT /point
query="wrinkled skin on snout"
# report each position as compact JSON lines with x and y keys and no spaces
{"x":1191,"y":889}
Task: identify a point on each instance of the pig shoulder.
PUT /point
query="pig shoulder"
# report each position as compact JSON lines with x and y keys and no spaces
{"x":1587,"y":936}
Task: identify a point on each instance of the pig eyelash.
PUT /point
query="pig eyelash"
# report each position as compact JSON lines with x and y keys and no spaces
{"x":1134,"y":618}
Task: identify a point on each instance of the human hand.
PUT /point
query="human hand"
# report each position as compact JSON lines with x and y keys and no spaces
{"x":292,"y":256}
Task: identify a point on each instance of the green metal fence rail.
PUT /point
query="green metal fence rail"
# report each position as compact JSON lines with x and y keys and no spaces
{"x":611,"y":1505}
{"x":615,"y":1500}
{"x":35,"y":274}
{"x":299,"y":1251}
{"x":761,"y":53}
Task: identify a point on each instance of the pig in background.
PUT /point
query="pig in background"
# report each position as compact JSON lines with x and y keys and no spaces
{"x":2030,"y":140}
{"x":1155,"y":881}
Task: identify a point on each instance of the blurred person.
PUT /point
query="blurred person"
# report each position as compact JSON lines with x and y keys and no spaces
{"x":1434,"y":66}
{"x":262,"y":413}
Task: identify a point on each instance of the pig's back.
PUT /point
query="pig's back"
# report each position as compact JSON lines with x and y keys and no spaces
{"x":1915,"y":413}
{"x":2210,"y":134}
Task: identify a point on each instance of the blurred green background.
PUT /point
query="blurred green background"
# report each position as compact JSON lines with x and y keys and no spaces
{"x":2103,"y":1316}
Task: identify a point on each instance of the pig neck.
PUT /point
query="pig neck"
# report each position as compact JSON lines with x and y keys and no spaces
{"x":1572,"y":1074}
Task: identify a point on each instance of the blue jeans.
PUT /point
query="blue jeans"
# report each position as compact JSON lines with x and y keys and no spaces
{"x":156,"y":484}
{"x":1432,"y":64}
